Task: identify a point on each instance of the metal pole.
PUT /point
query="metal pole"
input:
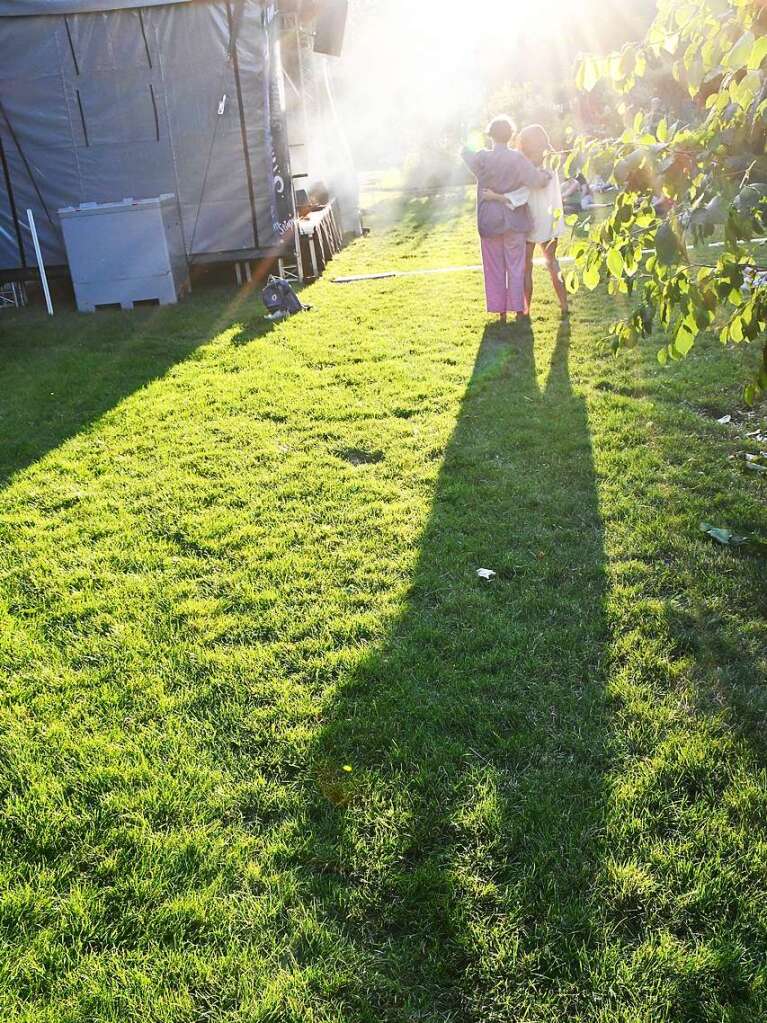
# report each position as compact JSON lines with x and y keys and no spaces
{"x":297,"y":235}
{"x":302,"y":101}
{"x":40,"y":265}
{"x":12,"y":204}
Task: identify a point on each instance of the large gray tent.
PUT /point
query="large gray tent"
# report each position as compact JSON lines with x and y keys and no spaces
{"x":102,"y":100}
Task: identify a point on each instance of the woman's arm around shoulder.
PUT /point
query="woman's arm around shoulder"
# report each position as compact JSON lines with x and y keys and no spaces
{"x":490,"y":196}
{"x":532,"y":176}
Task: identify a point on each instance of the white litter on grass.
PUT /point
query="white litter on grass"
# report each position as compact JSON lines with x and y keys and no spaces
{"x":486,"y":573}
{"x":364,"y":277}
{"x":724,"y":420}
{"x":476,"y":267}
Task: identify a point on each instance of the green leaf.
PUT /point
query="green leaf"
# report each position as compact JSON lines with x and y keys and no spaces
{"x":613,"y":68}
{"x":671,"y":42}
{"x":752,"y":393}
{"x":748,"y":88}
{"x":758,"y":53}
{"x":615,"y":262}
{"x":579,"y":75}
{"x":691,"y":322}
{"x":591,"y":276}
{"x":590,"y":73}
{"x":685,"y":14}
{"x":667,"y":246}
{"x":647,"y":315}
{"x":750,"y":197}
{"x":715,"y":211}
{"x":740,"y":53}
{"x":707,"y":53}
{"x":696,"y":74}
{"x":628,"y":60}
{"x":684,"y":341}
{"x":661,"y":132}
{"x":572,"y":283}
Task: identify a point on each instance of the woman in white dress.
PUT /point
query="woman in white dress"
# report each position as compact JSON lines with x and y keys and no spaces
{"x":546,"y":207}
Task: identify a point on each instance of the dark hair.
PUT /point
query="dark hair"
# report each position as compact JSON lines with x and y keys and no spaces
{"x":501,"y":129}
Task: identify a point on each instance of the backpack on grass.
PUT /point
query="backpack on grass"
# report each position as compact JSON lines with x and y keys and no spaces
{"x":280,"y":299}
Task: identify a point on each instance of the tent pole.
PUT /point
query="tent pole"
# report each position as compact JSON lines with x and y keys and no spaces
{"x":296,"y":234}
{"x":25,"y":161}
{"x":305,"y":119}
{"x":234,"y":29}
{"x":12,"y":204}
{"x":40,"y":264}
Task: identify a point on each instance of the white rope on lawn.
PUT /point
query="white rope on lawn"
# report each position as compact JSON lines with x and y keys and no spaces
{"x":471,"y":267}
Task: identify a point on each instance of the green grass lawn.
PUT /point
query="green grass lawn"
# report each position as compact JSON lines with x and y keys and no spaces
{"x":412,"y":232}
{"x":271,"y":751}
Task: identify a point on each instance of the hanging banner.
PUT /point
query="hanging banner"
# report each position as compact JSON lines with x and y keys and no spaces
{"x":276,"y":127}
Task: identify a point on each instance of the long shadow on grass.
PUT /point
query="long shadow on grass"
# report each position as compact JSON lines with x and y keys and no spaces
{"x":457,"y":855}
{"x":59,"y":376}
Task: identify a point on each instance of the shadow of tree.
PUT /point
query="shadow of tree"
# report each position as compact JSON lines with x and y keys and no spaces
{"x":455,"y":853}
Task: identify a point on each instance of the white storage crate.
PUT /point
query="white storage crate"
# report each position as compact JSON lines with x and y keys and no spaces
{"x":120,"y":253}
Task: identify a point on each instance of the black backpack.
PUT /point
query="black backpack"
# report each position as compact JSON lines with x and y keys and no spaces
{"x":280,"y":299}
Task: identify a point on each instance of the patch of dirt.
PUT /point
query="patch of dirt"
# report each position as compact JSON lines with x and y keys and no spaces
{"x":358,"y":456}
{"x":745,"y":422}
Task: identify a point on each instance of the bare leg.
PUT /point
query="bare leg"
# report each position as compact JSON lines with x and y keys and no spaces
{"x":529,"y":253}
{"x":550,"y":255}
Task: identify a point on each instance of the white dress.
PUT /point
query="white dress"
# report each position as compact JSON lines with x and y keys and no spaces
{"x":547,"y":209}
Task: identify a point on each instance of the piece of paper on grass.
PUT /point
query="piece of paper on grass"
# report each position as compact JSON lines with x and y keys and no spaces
{"x":486,"y":573}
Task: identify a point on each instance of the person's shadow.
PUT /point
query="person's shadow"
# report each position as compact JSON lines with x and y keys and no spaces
{"x":452,"y":860}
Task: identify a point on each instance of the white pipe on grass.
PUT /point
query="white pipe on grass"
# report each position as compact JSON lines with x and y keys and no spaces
{"x":40,"y":265}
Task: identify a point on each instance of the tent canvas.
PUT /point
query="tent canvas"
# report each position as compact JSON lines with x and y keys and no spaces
{"x":22,"y":8}
{"x":140,"y":100}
